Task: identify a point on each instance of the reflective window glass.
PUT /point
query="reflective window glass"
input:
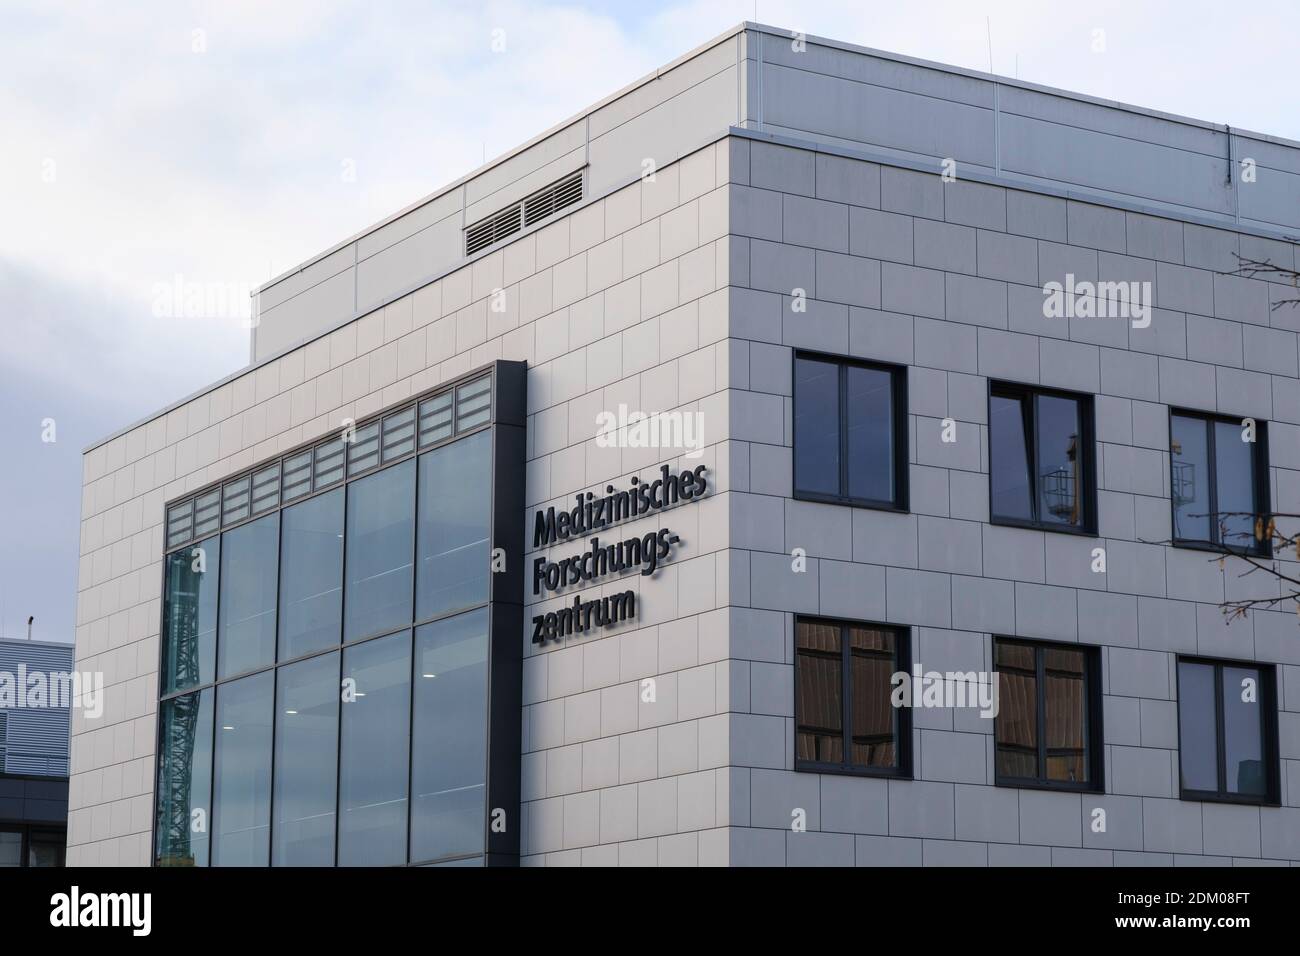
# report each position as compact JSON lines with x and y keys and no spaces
{"x":241,"y":800}
{"x":455,"y":500}
{"x":311,"y":575}
{"x":1190,"y":477}
{"x":1059,"y":461}
{"x":190,"y":642}
{"x":376,"y":714}
{"x":1045,"y":729}
{"x":306,"y":752}
{"x":184,"y":779}
{"x":380,"y":550}
{"x":1009,"y":486}
{"x":449,"y":772}
{"x":249,"y":562}
{"x":1198,"y":760}
{"x":870,"y":441}
{"x":817,"y":426}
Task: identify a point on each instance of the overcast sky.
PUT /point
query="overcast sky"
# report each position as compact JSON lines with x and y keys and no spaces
{"x":136,"y":150}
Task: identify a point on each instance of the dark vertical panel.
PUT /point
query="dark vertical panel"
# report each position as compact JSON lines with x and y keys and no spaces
{"x":506,"y":621}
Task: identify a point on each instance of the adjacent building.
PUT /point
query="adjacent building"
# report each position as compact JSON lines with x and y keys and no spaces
{"x":586,"y":511}
{"x":35,"y":678}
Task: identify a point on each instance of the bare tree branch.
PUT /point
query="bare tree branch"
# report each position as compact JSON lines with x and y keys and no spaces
{"x":1257,"y":268}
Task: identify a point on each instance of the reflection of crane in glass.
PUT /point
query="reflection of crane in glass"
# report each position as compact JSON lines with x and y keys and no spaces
{"x":1059,"y":486}
{"x":1182,"y":476}
{"x":178,"y":756}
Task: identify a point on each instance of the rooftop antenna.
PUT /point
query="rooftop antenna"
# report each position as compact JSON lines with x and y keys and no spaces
{"x":988,"y":27}
{"x":30,"y":618}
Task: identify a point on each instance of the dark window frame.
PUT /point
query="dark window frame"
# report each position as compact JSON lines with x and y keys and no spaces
{"x":903,"y":715}
{"x":26,"y":832}
{"x":899,"y":432}
{"x":1094,"y":746}
{"x":505,"y":418}
{"x":1259,"y":465}
{"x":1088,"y":448}
{"x":1268,"y":741}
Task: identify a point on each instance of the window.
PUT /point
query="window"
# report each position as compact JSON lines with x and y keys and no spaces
{"x":850,"y":432}
{"x":325,"y":696}
{"x":449,"y":752}
{"x":380,"y":544}
{"x":845,"y":720}
{"x":184,"y":780}
{"x":1218,"y":481}
{"x":455,"y":494}
{"x":1227,"y":732}
{"x":45,"y":849}
{"x":11,"y":848}
{"x":249,"y":560}
{"x":455,"y":409}
{"x":26,"y":846}
{"x":1041,"y":459}
{"x":190,"y":639}
{"x":311,"y":575}
{"x":241,"y":799}
{"x":374,"y":748}
{"x":306,"y":755}
{"x":1048,"y":728}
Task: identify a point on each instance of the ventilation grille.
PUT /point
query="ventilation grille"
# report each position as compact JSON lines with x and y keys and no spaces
{"x":526,"y":212}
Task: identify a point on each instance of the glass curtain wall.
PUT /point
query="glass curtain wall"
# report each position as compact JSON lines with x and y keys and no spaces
{"x":325,"y":662}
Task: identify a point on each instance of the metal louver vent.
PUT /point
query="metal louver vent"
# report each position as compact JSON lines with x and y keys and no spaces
{"x":526,"y":212}
{"x":505,"y":223}
{"x":551,"y":200}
